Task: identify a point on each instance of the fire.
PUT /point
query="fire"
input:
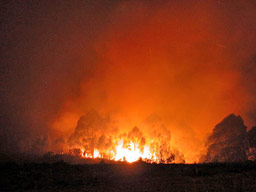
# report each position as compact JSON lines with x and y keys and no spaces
{"x":128,"y":152}
{"x":131,"y":153}
{"x":95,"y":138}
{"x":96,"y":154}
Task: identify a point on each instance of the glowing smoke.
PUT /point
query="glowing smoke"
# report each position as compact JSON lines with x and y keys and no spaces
{"x":189,"y":62}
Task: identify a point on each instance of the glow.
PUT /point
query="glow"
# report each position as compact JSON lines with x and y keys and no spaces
{"x":130,"y":152}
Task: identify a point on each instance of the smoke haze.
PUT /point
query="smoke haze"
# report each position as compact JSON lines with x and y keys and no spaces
{"x":179,"y":66}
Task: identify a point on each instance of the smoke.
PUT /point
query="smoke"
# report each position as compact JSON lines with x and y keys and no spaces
{"x":46,"y":52}
{"x":228,"y":142}
{"x":252,"y":137}
{"x":94,"y":132}
{"x":189,"y":62}
{"x":252,"y":144}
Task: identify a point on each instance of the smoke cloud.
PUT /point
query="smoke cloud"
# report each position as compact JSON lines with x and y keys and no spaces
{"x":228,"y":142}
{"x":189,"y":63}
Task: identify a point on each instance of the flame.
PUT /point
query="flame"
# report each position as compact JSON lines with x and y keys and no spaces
{"x":96,"y":154}
{"x":94,"y":138}
{"x":130,"y":153}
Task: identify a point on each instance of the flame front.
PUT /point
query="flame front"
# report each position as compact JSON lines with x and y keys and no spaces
{"x":130,"y":152}
{"x":95,"y":137}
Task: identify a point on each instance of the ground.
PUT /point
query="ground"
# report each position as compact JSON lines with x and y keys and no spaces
{"x":61,"y":176}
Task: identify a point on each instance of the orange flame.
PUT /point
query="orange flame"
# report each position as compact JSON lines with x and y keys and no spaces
{"x":130,"y":152}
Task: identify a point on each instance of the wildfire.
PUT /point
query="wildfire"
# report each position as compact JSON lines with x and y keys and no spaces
{"x":130,"y":152}
{"x":96,"y":154}
{"x":94,"y":138}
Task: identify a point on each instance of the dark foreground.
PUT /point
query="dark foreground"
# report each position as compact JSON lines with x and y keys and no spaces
{"x":138,"y":176}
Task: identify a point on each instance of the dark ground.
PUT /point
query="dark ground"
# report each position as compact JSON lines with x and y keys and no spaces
{"x":61,"y":176}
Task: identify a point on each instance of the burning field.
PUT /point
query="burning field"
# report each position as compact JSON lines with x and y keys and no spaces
{"x":123,"y":81}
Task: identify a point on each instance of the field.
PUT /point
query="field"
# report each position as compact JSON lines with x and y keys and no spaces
{"x":139,"y":176}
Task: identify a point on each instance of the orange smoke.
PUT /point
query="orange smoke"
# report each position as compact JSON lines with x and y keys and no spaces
{"x":178,"y":61}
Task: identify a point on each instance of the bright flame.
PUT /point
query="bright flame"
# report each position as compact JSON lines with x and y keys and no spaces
{"x":96,"y":154}
{"x":129,"y":147}
{"x":130,"y":152}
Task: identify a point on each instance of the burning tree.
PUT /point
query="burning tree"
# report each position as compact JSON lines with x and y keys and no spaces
{"x":92,"y":132}
{"x":95,"y":136}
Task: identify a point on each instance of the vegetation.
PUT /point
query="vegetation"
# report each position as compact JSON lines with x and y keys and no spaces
{"x":139,"y":176}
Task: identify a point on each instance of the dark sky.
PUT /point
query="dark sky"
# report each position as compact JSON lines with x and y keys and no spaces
{"x":191,"y":62}
{"x":43,"y":49}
